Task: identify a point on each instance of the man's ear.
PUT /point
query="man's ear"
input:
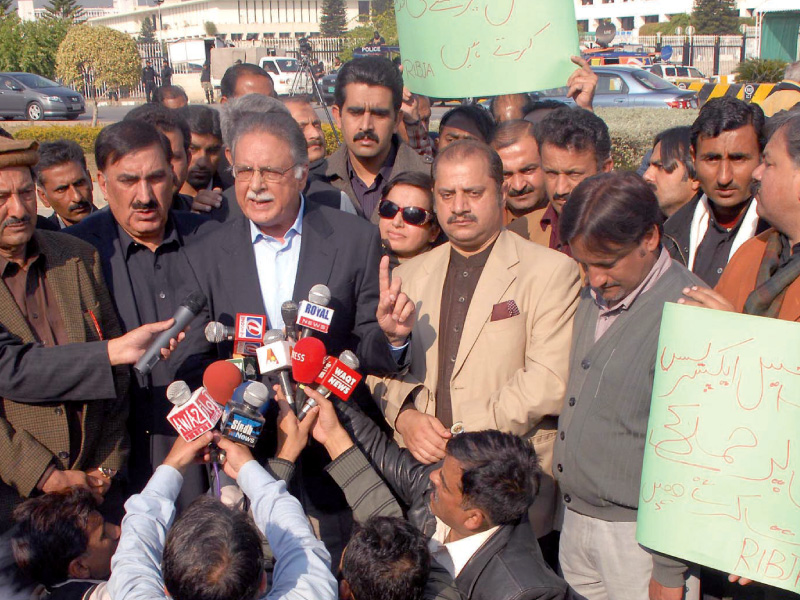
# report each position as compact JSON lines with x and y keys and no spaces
{"x":228,"y":156}
{"x":78,"y":569}
{"x":475,"y":520}
{"x":337,"y":115}
{"x":42,"y":197}
{"x":345,"y":593}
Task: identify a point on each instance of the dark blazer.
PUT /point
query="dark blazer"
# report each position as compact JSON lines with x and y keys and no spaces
{"x":508,"y":566}
{"x":48,"y":223}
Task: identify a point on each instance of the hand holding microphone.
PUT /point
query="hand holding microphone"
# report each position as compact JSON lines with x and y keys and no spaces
{"x":308,"y":358}
{"x":339,"y":377}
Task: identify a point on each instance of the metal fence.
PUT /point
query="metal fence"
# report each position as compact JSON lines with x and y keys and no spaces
{"x":323,"y":49}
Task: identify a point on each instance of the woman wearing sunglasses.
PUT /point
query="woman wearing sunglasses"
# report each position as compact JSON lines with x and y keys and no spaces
{"x":408,"y":224}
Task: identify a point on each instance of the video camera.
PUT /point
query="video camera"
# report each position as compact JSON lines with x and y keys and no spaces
{"x":305,"y":47}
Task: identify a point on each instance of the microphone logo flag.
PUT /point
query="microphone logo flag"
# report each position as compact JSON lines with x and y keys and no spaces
{"x":246,"y":348}
{"x":250,"y":328}
{"x":340,"y":379}
{"x":195,"y":417}
{"x":314,"y":316}
{"x":274,"y":356}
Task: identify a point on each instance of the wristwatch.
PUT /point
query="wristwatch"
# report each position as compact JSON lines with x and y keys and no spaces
{"x":108,"y":473}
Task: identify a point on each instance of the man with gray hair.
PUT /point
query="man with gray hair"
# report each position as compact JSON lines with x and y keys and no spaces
{"x":315,"y":190}
{"x":280,"y":246}
{"x":786,"y":94}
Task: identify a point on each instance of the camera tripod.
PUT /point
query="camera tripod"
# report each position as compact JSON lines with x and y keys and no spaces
{"x":300,"y":86}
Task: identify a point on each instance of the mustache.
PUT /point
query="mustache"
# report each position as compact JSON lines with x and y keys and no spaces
{"x":15,"y":221}
{"x":366,"y":135}
{"x":314,"y":142}
{"x":260,"y":196}
{"x":82,"y":205}
{"x":462,"y":217}
{"x":528,"y":189}
{"x":151,"y":205}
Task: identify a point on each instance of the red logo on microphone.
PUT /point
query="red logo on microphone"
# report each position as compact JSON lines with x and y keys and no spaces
{"x":250,"y":328}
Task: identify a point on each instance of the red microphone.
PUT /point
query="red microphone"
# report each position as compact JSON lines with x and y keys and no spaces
{"x":220,"y":379}
{"x":308,"y":358}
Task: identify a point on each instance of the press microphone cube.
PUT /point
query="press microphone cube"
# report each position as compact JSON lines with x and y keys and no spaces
{"x":339,"y":379}
{"x":242,"y":422}
{"x":197,"y":415}
{"x":274,"y":357}
{"x":314,"y":316}
{"x":250,"y":328}
{"x":246,"y":348}
{"x":248,"y":365}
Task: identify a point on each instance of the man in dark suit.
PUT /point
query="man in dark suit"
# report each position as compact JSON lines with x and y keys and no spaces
{"x":276,"y":251}
{"x":141,"y":244}
{"x":64,"y":183}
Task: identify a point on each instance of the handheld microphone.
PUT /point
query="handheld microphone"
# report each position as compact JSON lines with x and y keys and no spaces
{"x":188,"y":310}
{"x":314,"y":314}
{"x":308,"y":358}
{"x":220,"y":379}
{"x":248,"y":333}
{"x":275,"y":357}
{"x":216,"y":332}
{"x":242,"y":422}
{"x":289,"y":315}
{"x":339,"y":376}
{"x":193,"y":413}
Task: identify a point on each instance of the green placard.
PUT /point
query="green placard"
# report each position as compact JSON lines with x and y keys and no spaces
{"x":476,"y":48}
{"x":721,"y":476}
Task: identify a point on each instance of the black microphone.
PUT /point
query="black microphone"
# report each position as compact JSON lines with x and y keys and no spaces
{"x":289,"y":316}
{"x":188,"y":310}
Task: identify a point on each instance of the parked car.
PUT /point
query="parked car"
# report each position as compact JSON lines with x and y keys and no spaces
{"x":679,"y":75}
{"x":36,"y":98}
{"x":632,"y":87}
{"x":327,"y":85}
{"x":284,"y":71}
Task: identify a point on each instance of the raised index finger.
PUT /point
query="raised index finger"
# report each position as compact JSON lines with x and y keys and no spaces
{"x":384,"y":279}
{"x":580,"y":61}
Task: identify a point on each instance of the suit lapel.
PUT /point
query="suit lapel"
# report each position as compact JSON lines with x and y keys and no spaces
{"x":430,"y":301}
{"x":63,"y":281}
{"x":12,"y":317}
{"x":317,"y":253}
{"x":497,"y":276}
{"x":115,"y":271}
{"x":237,"y":273}
{"x":469,"y":575}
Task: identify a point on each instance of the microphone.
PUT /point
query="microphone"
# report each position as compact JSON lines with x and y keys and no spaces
{"x":220,"y":379}
{"x":314,"y":314}
{"x":242,"y":422}
{"x":188,"y":310}
{"x":308,"y":358}
{"x":248,"y":333}
{"x":275,"y":356}
{"x":193,"y":413}
{"x":216,"y":332}
{"x":339,"y":376}
{"x":289,"y":315}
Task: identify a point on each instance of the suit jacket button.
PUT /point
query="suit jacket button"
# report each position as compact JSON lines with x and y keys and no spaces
{"x":59,"y":411}
{"x":63,"y":455}
{"x":559,"y":468}
{"x":561,"y":435}
{"x":567,"y":498}
{"x":586,"y":363}
{"x":572,"y":401}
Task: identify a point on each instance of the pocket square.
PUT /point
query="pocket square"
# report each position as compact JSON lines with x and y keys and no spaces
{"x":504,"y":310}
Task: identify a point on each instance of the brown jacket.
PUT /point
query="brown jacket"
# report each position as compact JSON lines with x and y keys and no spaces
{"x":530,"y":228}
{"x":33,"y":436}
{"x":739,"y":278}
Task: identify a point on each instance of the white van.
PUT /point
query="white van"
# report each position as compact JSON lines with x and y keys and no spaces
{"x":284,"y":71}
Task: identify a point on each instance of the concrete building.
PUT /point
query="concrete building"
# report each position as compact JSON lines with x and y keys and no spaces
{"x":233,"y":19}
{"x":627,"y":15}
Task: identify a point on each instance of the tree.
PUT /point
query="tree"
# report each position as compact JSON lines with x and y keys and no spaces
{"x":93,"y":56}
{"x":385,"y":23}
{"x":5,"y":6}
{"x":715,"y":17}
{"x":333,"y":21}
{"x":147,"y":34}
{"x":64,"y":9}
{"x":380,"y":7}
{"x":30,"y":46}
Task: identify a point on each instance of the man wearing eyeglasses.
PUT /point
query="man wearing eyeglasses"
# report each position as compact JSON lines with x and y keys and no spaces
{"x":281,"y":247}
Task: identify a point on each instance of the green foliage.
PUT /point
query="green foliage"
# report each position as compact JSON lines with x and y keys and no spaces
{"x":757,"y":70}
{"x":211,"y":28}
{"x":30,"y":46}
{"x":379,"y":7}
{"x":715,"y":17}
{"x":333,"y":21}
{"x":384,"y":22}
{"x":330,"y":139}
{"x":5,"y":6}
{"x":83,"y":135}
{"x":65,"y":9}
{"x":147,"y":34}
{"x":99,"y":53}
{"x":670,"y":27}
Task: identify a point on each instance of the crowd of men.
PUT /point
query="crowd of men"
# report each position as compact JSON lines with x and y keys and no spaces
{"x":500,"y":283}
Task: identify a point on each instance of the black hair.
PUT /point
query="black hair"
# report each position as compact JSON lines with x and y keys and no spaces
{"x":370,"y":70}
{"x":416,"y":179}
{"x":463,"y":149}
{"x":789,"y":123}
{"x":51,"y":531}
{"x":500,"y":473}
{"x":227,"y":86}
{"x":511,"y":132}
{"x":575,"y":129}
{"x":202,"y":120}
{"x":212,"y":552}
{"x":477,"y":115}
{"x":728,"y":114}
{"x":675,"y":143}
{"x":387,"y":558}
{"x":166,"y":92}
{"x":610,"y":211}
{"x":125,"y":137}
{"x":56,"y":153}
{"x":164,"y":119}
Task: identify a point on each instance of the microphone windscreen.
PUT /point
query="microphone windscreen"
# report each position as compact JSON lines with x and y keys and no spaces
{"x":349,"y":358}
{"x":215,"y":332}
{"x":178,"y":393}
{"x":289,"y":312}
{"x":308,"y":357}
{"x":195,"y":302}
{"x":320,"y":294}
{"x":273,"y":335}
{"x":220,"y":379}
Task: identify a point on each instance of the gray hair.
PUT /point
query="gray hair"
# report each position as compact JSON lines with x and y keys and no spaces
{"x":788,"y":121}
{"x":255,"y":113}
{"x":792,"y":71}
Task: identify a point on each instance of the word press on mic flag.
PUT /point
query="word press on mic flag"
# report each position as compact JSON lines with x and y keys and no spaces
{"x":721,"y":471}
{"x":472,"y":48}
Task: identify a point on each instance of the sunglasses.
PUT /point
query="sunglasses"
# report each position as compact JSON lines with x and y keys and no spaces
{"x":413,"y":215}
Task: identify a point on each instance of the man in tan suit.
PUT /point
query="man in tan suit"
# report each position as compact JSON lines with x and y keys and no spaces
{"x":493,"y":321}
{"x":52,"y":292}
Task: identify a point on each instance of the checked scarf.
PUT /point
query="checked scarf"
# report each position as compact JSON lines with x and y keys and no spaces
{"x":773,"y":278}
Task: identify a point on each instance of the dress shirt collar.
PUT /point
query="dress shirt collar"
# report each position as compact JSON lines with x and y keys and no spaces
{"x":383,"y":174}
{"x":129,"y":244}
{"x":662,"y":265}
{"x":296,"y":229}
{"x":33,"y":253}
{"x":454,"y":556}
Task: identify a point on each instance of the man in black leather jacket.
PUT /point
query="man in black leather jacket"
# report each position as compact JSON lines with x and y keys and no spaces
{"x":472,"y":506}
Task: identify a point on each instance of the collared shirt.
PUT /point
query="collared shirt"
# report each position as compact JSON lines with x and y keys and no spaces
{"x":607,"y":315}
{"x":302,"y":569}
{"x":714,"y":250}
{"x":463,"y":274}
{"x":369,"y":196}
{"x":550,"y":219}
{"x":454,"y":556}
{"x":276,"y":263}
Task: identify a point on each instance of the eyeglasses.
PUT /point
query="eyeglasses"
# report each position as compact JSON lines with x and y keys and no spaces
{"x":245,"y":173}
{"x":413,"y":215}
